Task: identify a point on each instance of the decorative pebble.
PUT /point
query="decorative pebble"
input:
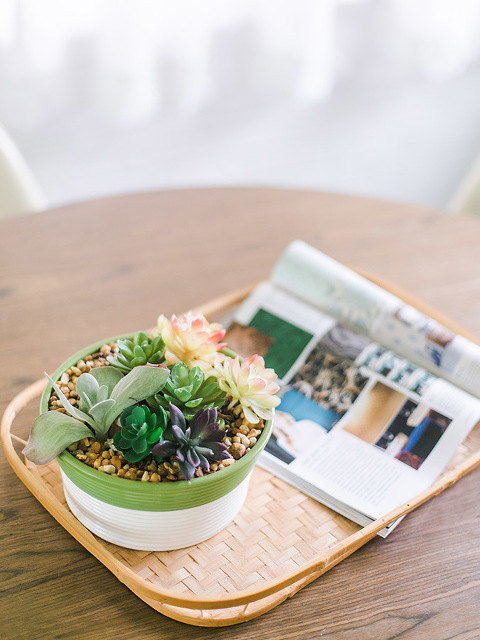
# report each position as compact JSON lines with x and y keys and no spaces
{"x":95,"y":447}
{"x":108,"y":468}
{"x":244,"y":440}
{"x":237,"y":450}
{"x":117,"y":463}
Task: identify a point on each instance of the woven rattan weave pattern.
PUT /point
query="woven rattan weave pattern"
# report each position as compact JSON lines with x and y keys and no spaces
{"x":278,"y":530}
{"x":280,"y":541}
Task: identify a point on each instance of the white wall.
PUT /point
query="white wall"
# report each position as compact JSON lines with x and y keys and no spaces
{"x":375,"y":97}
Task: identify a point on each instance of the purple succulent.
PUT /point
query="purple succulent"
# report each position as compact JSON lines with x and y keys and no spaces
{"x":195,"y":443}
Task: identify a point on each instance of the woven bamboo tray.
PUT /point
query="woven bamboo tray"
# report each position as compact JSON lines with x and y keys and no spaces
{"x":254,"y":564}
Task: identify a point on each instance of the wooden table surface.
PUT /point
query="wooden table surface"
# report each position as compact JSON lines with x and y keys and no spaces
{"x":72,"y":275}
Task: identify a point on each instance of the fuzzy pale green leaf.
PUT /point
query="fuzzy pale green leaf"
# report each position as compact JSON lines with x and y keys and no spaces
{"x":52,"y":432}
{"x":98,"y":413}
{"x":108,"y":376}
{"x":141,"y":383}
{"x":73,"y":411}
{"x":87,"y":389}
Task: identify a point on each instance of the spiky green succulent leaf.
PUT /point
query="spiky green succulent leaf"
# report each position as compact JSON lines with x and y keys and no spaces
{"x":194,"y":444}
{"x":141,"y":350}
{"x":52,"y":432}
{"x":140,"y":430}
{"x":190,"y":391}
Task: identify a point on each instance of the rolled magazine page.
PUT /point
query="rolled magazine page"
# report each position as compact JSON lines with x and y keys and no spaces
{"x":331,"y":287}
{"x":308,"y":274}
{"x":360,"y":426}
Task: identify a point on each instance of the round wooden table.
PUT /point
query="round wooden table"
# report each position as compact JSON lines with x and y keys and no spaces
{"x":72,"y":275}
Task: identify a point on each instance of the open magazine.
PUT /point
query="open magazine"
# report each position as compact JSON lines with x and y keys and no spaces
{"x":376,"y":397}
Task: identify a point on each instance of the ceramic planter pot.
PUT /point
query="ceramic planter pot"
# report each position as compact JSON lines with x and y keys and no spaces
{"x":152,"y":516}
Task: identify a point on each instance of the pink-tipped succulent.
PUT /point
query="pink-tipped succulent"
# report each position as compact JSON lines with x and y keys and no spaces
{"x":191,"y":339}
{"x":250,"y":384}
{"x":195,"y":443}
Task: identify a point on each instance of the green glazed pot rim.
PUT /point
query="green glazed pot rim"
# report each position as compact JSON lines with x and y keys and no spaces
{"x":66,"y":459}
{"x":167,"y":488}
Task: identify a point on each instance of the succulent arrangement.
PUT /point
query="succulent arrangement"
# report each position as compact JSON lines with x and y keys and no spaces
{"x":174,"y":398}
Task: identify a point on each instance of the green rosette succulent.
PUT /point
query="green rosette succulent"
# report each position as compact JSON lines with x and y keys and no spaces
{"x":141,"y":350}
{"x":190,"y":391}
{"x":141,"y":429}
{"x":194,"y":443}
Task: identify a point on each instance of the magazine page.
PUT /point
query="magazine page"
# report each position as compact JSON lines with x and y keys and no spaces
{"x":367,"y":427}
{"x":367,"y":308}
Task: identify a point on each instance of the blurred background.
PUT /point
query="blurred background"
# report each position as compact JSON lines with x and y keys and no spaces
{"x":371,"y":97}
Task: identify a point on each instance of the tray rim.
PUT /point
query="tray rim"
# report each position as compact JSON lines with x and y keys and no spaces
{"x":292,"y":581}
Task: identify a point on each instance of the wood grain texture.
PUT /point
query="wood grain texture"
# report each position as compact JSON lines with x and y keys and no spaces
{"x":72,"y":275}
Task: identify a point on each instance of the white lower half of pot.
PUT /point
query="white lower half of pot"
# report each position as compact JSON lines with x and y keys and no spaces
{"x":154,"y":530}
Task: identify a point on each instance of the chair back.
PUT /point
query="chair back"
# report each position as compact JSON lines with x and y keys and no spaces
{"x":19,"y":192}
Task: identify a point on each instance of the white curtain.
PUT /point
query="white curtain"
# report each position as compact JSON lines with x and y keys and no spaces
{"x":127,"y":59}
